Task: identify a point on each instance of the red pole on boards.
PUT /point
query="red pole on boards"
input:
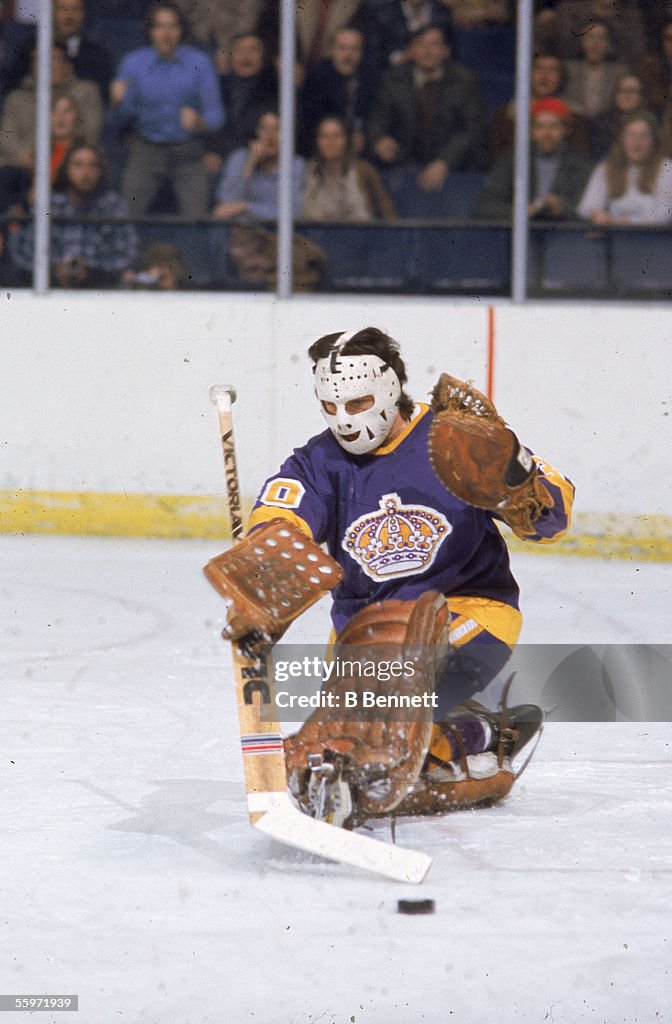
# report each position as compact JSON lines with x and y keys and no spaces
{"x":490,"y":361}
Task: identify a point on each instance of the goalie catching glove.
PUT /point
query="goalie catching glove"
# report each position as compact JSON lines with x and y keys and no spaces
{"x":269,"y":578}
{"x":480,"y":460}
{"x":377,"y":754}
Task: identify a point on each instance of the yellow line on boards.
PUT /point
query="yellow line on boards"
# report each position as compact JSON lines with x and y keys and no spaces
{"x":635,"y":549}
{"x":107,"y":514}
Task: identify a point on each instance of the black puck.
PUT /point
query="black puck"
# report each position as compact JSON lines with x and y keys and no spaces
{"x":415,"y":906}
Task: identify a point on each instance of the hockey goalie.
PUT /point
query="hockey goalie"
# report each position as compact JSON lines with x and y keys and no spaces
{"x":405,"y":497}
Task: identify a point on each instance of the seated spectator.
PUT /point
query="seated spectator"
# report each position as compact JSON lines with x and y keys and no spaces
{"x":655,"y":70}
{"x":82,"y":255}
{"x":469,"y":14}
{"x":389,"y":27}
{"x":591,"y":80}
{"x":559,"y":30}
{"x":91,"y":60}
{"x":634,"y":184}
{"x":17,"y":123}
{"x":429,"y":113}
{"x":214,"y":24}
{"x":342,"y":85}
{"x":656,"y":73}
{"x":627,"y":100}
{"x":248,"y":187}
{"x":558,"y":173}
{"x":316,"y":25}
{"x":161,"y":267}
{"x":168,"y":95}
{"x":65,"y":122}
{"x":253,"y":259}
{"x":249,"y":90}
{"x":548,"y":79}
{"x":338,"y":187}
{"x":16,"y":182}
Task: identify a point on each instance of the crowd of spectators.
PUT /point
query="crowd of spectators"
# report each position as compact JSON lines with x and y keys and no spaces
{"x":187,"y":118}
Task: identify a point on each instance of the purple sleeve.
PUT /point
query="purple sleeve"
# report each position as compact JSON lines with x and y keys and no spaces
{"x":294,"y":493}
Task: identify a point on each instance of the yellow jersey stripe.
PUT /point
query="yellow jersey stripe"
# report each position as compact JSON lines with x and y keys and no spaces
{"x":420,"y":410}
{"x":503,"y":621}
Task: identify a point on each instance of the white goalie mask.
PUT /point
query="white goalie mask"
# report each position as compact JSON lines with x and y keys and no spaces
{"x":341,"y":382}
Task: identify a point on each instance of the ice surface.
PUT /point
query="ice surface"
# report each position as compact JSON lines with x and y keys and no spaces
{"x":129,"y":873}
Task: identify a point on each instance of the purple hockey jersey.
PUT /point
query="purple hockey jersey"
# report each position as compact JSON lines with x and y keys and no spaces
{"x":392,"y":525}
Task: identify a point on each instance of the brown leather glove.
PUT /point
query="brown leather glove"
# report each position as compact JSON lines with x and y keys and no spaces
{"x":270,"y":577}
{"x":480,"y":460}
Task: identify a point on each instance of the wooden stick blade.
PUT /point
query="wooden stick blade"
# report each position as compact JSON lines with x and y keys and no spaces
{"x":288,"y":825}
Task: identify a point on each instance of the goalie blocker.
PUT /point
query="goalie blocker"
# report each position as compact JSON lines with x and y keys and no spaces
{"x":270,"y":578}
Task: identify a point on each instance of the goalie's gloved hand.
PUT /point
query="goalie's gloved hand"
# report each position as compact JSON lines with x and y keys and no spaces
{"x":270,"y":577}
{"x":480,"y":460}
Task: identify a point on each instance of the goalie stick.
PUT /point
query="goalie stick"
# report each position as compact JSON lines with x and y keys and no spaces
{"x":268,"y":802}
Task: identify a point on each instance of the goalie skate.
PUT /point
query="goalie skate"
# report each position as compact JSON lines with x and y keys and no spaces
{"x":513,"y":728}
{"x":475,"y":780}
{"x":332,"y":792}
{"x":328,"y":797}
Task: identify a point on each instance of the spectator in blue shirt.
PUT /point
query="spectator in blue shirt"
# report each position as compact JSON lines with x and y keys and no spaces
{"x":90,"y":251}
{"x":168,"y":95}
{"x":248,"y":186}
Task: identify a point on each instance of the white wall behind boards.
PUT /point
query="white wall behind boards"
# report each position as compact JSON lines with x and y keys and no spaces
{"x":110,"y":392}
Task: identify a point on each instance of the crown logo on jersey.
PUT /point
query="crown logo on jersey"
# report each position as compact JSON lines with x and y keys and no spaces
{"x":397,"y":540}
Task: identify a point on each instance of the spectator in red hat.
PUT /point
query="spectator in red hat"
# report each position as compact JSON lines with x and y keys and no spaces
{"x":550,"y":105}
{"x":548,"y":78}
{"x":558,"y":172}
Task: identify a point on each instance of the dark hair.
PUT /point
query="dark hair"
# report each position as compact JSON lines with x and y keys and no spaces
{"x":616,"y":164}
{"x":432,"y":27}
{"x":28,"y":52}
{"x":369,"y":341}
{"x":562,"y":66}
{"x":347,"y":154}
{"x":617,"y":84}
{"x":62,"y":181}
{"x":247,"y":35}
{"x":154,"y":9}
